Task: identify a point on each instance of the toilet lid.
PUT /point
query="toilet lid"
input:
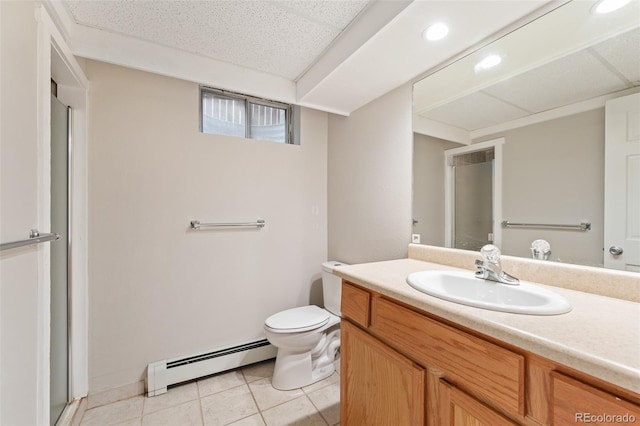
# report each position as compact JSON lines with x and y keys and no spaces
{"x":303,"y":318}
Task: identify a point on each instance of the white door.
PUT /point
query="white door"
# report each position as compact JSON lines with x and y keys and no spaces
{"x":622,"y":184}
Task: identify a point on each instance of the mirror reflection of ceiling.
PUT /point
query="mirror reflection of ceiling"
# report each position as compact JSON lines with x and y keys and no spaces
{"x":602,"y":69}
{"x":605,"y":61}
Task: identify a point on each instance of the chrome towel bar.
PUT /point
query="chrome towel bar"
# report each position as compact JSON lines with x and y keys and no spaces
{"x":195,"y":224}
{"x":584,"y":226}
{"x":35,"y":237}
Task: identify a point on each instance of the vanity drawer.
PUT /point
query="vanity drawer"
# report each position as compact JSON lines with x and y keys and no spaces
{"x":355,"y":304}
{"x":479,"y":367}
{"x":574,"y":402}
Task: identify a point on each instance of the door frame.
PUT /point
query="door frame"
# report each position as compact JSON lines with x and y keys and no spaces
{"x":449,"y":189}
{"x":55,"y":60}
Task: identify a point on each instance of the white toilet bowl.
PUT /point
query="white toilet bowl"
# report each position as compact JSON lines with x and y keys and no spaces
{"x":305,"y":354}
{"x":307,"y":337}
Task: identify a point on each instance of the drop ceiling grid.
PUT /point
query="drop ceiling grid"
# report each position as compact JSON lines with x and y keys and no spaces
{"x":574,"y":78}
{"x":281,"y":38}
{"x":571,"y":79}
{"x":616,"y":52}
{"x":476,"y":111}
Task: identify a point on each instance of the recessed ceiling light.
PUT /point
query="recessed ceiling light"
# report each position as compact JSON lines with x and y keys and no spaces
{"x":489,"y":61}
{"x":606,"y":6}
{"x":435,"y":32}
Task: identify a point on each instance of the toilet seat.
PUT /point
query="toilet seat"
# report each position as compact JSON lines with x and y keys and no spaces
{"x":295,"y":320}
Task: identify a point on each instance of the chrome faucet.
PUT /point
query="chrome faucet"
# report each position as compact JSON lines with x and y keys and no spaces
{"x":489,"y":267}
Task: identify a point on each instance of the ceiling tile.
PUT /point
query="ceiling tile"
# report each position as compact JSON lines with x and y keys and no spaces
{"x":282,"y":38}
{"x":616,"y":52}
{"x":475,"y":111}
{"x":557,"y":83}
{"x":337,"y":14}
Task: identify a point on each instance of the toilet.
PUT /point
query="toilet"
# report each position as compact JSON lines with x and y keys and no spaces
{"x":307,"y":337}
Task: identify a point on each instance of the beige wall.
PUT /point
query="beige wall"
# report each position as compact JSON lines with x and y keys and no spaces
{"x":370,"y":180}
{"x":158,"y":289}
{"x":18,"y":213}
{"x":554,"y":173}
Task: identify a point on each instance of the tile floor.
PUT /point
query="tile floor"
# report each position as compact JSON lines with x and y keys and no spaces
{"x":242,"y":397}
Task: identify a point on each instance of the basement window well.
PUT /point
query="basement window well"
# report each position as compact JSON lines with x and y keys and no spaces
{"x":233,"y":114}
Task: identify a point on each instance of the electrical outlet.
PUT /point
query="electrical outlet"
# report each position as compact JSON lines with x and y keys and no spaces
{"x":415,"y":238}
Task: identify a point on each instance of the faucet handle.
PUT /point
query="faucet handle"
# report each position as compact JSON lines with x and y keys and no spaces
{"x":541,"y":249}
{"x":482,"y":271}
{"x":489,"y":267}
{"x":490,"y":253}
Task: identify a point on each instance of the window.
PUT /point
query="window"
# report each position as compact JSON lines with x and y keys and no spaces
{"x":232,"y":114}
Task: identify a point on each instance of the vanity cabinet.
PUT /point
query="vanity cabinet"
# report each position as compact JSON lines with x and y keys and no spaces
{"x":394,"y":395}
{"x":402,"y":366}
{"x":573,"y":401}
{"x":458,"y":408}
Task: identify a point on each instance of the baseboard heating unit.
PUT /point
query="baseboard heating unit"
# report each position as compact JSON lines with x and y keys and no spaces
{"x":164,"y":373}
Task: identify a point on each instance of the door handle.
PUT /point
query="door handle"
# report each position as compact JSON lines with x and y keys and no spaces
{"x":615,"y":250}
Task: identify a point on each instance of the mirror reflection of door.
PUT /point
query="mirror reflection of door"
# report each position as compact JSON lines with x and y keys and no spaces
{"x":473,"y":195}
{"x":622,"y":184}
{"x":473,"y":199}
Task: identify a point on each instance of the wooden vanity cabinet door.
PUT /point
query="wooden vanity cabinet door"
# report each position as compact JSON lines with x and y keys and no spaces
{"x":456,"y":408}
{"x":355,"y":304}
{"x":574,"y":402}
{"x":481,"y":367}
{"x":379,"y":386}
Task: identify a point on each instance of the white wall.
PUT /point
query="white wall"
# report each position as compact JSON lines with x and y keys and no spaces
{"x":370,"y":180}
{"x":18,"y":213}
{"x":158,"y":289}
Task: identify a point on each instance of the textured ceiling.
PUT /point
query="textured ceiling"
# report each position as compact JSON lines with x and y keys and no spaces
{"x":610,"y":66}
{"x":283,"y":38}
{"x":331,"y":55}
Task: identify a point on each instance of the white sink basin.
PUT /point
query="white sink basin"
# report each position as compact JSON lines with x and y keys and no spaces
{"x":465,"y":288}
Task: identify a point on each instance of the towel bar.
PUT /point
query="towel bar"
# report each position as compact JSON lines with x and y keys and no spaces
{"x":195,"y":224}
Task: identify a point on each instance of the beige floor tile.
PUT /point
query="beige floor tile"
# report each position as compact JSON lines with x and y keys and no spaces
{"x":175,"y":396}
{"x":220,"y":382}
{"x":334,"y":378}
{"x":267,"y":396}
{"x":134,"y":422}
{"x":228,"y":406}
{"x":80,"y":412}
{"x":112,"y":414}
{"x":117,"y":394}
{"x":255,"y":420}
{"x":297,"y":412}
{"x":327,"y":400}
{"x":259,"y":370}
{"x":186,"y":414}
{"x":226,"y":399}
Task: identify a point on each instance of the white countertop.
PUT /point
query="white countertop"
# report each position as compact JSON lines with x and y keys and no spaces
{"x":600,"y":336}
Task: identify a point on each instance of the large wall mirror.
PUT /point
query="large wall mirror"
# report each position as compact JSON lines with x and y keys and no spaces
{"x":530,"y":149}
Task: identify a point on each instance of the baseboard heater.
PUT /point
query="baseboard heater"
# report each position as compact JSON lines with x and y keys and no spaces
{"x":164,"y":373}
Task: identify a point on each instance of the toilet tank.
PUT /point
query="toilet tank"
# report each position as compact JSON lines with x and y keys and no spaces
{"x":331,"y":287}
